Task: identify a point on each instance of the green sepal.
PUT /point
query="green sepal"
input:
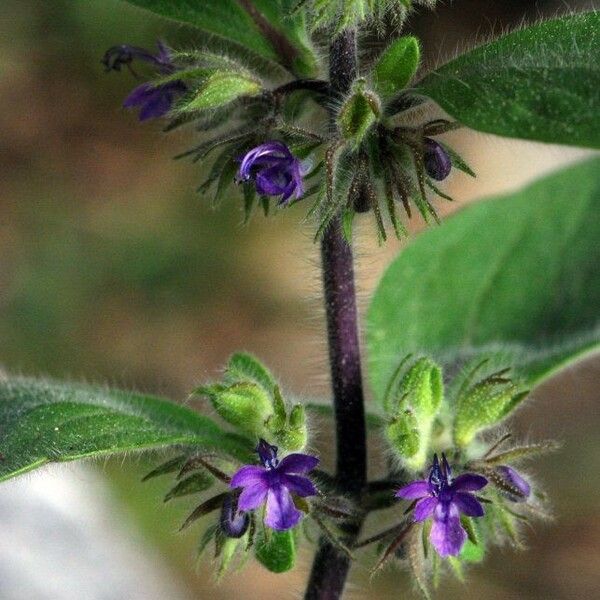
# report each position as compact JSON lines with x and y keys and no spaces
{"x":198,"y":482}
{"x":276,"y":550}
{"x":228,"y":548}
{"x":396,"y":66}
{"x":246,"y":405}
{"x":243,"y":367}
{"x":358,"y":113}
{"x":170,"y":466}
{"x":221,"y":88}
{"x":483,"y":405}
{"x":205,"y":539}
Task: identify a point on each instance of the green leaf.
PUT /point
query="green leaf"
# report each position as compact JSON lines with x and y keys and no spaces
{"x":220,"y":89}
{"x":278,"y":37}
{"x":396,"y":66}
{"x":516,"y":275}
{"x":44,"y":421}
{"x":540,"y":83}
{"x":276,"y":550}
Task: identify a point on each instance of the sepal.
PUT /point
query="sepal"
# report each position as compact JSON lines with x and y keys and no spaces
{"x":485,"y":404}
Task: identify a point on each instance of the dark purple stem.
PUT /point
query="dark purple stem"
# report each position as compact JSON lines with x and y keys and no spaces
{"x":331,"y":566}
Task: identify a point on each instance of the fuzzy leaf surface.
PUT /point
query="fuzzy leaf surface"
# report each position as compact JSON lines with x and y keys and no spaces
{"x":228,"y":20}
{"x":540,"y":83}
{"x":517,"y":276}
{"x":44,"y":421}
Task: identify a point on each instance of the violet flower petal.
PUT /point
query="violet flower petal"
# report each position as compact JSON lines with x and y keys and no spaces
{"x":301,"y":486}
{"x":272,"y":181}
{"x":447,"y":534}
{"x":468,"y":482}
{"x":414,"y":490}
{"x":253,"y":496}
{"x":281,"y":514}
{"x":248,"y":475}
{"x":138,"y":95}
{"x":297,"y":463}
{"x":424,"y":508}
{"x":468,"y":504}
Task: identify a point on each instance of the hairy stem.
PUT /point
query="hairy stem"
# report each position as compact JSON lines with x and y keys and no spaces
{"x":331,"y":565}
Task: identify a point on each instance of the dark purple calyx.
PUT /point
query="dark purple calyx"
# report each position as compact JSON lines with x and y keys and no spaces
{"x":233,"y":523}
{"x":437,"y":161}
{"x":267,"y":454}
{"x":124,"y":54}
{"x":521,"y":489}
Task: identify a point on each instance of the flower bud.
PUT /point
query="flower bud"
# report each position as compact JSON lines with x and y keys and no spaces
{"x":414,"y":405}
{"x":403,"y":434}
{"x":233,"y":523}
{"x":358,"y":113}
{"x":512,"y":479}
{"x":437,"y":161}
{"x":245,"y":405}
{"x":484,"y":404}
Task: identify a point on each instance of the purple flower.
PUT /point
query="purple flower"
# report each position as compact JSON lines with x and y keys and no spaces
{"x":275,"y":171}
{"x":154,"y":100}
{"x":444,"y":498}
{"x":233,"y":523}
{"x":513,"y":479}
{"x":274,"y":483}
{"x":437,"y":161}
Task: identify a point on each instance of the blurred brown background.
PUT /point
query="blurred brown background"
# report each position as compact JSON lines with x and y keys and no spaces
{"x":113,"y":269}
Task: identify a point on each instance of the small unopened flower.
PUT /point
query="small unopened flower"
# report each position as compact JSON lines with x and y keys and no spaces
{"x":437,"y":161}
{"x":275,"y":171}
{"x":233,"y":523}
{"x":154,"y":101}
{"x":124,"y":54}
{"x":513,"y":479}
{"x":274,"y":483}
{"x":443,"y":499}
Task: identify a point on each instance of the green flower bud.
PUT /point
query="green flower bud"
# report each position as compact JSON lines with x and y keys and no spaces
{"x":276,"y":550}
{"x":358,"y":113}
{"x":403,"y":434}
{"x":288,"y":432}
{"x":414,"y":403}
{"x":484,"y":404}
{"x":220,"y":88}
{"x":246,"y":405}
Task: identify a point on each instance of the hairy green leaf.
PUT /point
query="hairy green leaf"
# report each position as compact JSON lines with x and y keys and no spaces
{"x":517,"y":276}
{"x":44,"y":421}
{"x":262,"y":26}
{"x":540,"y":83}
{"x":396,"y":66}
